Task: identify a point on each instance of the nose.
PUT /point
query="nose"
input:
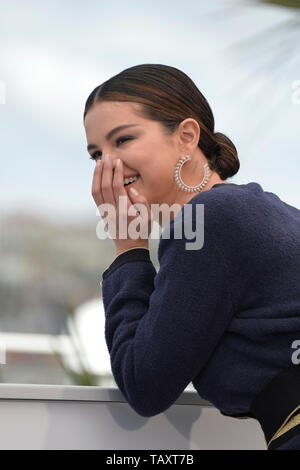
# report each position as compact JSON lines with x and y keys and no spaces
{"x":114,"y":161}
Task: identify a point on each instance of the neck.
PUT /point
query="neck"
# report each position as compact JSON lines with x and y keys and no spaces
{"x":183,"y":197}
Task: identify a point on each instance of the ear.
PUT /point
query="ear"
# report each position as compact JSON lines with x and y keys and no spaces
{"x":188,"y":135}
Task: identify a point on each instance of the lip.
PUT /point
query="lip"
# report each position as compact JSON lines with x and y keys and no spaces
{"x":130,"y":176}
{"x":129,"y":184}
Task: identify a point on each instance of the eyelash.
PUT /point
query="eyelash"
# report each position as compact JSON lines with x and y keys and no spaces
{"x":120,"y":138}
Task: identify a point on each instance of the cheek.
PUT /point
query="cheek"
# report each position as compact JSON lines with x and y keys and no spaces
{"x":158,"y":180}
{"x":155,"y":165}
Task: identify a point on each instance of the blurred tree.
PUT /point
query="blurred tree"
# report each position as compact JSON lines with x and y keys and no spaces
{"x":283,"y":3}
{"x":271,"y":57}
{"x":84,"y":376}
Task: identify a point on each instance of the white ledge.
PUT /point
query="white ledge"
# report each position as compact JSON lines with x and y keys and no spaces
{"x":80,"y":393}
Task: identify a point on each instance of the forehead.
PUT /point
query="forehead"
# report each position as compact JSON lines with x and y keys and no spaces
{"x":108,"y":114}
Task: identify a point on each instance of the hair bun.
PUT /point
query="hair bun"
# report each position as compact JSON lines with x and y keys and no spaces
{"x":217,"y":149}
{"x":224,"y":156}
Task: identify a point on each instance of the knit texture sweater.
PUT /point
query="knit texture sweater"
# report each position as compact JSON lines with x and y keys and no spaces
{"x":223,"y":316}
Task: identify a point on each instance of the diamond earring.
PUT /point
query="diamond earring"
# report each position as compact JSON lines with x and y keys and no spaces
{"x":182,"y":185}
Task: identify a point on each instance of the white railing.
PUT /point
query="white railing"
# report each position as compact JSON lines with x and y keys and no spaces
{"x":37,"y":416}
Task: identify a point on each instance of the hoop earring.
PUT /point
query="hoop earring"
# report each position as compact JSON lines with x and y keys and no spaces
{"x":182,"y":185}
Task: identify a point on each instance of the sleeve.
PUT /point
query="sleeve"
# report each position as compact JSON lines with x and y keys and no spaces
{"x":161,"y":327}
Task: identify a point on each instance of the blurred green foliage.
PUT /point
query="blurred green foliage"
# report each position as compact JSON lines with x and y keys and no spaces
{"x":283,"y":3}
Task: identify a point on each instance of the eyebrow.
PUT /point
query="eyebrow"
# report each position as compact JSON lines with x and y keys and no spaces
{"x":111,"y":133}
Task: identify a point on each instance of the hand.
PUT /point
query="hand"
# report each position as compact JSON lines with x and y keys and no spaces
{"x":107,"y":187}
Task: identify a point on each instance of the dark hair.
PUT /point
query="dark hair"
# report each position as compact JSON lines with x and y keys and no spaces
{"x":169,"y":96}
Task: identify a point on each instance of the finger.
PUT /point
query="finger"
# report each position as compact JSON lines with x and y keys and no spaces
{"x":118,"y":184}
{"x":106,"y":182}
{"x":96,"y":183}
{"x":140,"y":202}
{"x":145,"y":215}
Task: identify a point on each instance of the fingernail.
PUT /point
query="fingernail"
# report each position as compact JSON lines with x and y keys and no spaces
{"x":134,"y":191}
{"x":106,"y":158}
{"x":118,"y":162}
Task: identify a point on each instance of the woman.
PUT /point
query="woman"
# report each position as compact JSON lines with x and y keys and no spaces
{"x":223,"y":313}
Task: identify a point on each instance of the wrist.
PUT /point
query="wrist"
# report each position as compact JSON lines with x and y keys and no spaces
{"x":119,"y":251}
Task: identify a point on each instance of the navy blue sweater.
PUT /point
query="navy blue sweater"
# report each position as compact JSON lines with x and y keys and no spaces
{"x":223,"y":317}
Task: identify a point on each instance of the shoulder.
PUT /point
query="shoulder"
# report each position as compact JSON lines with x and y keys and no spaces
{"x":228,"y":195}
{"x":227,"y":202}
{"x":216,"y":216}
{"x":231,"y":203}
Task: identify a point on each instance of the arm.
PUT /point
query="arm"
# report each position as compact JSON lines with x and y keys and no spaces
{"x":161,"y":328}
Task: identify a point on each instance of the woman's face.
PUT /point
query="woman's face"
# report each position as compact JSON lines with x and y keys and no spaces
{"x":144,"y":148}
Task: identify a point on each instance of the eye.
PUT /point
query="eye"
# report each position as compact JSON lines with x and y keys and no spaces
{"x":94,"y":157}
{"x":123,"y":138}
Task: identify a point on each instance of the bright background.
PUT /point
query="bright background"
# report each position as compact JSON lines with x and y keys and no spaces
{"x":242,"y":55}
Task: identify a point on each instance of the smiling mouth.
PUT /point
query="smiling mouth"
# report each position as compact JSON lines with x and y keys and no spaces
{"x":128,"y":184}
